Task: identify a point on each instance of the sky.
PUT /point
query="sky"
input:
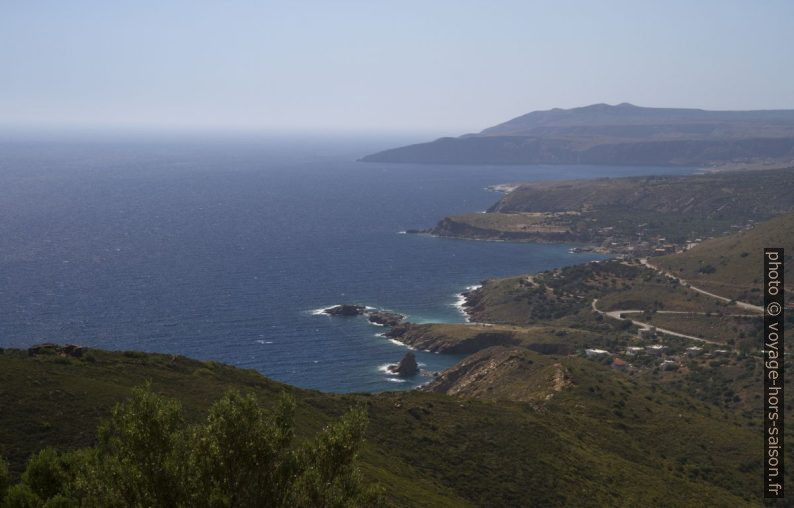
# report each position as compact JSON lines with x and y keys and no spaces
{"x":441,"y":66}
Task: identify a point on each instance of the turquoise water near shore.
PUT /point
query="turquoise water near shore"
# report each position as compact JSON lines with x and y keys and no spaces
{"x":221,"y":249}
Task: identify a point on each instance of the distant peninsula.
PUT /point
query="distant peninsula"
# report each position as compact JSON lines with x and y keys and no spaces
{"x":637,"y":216}
{"x":623,"y":134}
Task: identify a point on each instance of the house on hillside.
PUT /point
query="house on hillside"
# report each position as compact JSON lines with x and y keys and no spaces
{"x":647,"y":333}
{"x":595,"y":352}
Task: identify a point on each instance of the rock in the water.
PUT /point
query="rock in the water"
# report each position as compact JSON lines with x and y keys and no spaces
{"x":407,"y":366}
{"x":386,"y":318}
{"x":345,"y":310}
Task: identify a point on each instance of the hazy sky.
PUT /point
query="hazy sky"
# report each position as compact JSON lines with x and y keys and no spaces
{"x":453,"y":66}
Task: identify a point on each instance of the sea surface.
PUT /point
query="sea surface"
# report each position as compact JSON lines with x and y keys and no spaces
{"x":224,"y":248}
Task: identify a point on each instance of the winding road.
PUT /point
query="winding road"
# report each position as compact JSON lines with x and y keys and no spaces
{"x":744,"y":305}
{"x":618,"y":314}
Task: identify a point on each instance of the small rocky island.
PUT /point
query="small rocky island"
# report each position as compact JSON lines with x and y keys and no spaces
{"x":378,"y":317}
{"x":345,"y":310}
{"x":407,"y":366}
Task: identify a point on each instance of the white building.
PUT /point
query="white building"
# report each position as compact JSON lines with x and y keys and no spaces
{"x":647,"y":333}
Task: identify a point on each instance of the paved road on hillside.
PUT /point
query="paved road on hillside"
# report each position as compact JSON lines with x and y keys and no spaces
{"x":744,"y":305}
{"x":615,"y":314}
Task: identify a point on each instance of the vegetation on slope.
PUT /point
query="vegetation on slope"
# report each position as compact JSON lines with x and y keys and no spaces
{"x":631,"y":406}
{"x":455,"y":338}
{"x":630,"y":215}
{"x":503,"y":373}
{"x":727,"y":196}
{"x":537,"y":227}
{"x":146,"y":455}
{"x":564,"y":297}
{"x":733,"y":265}
{"x":608,"y":440}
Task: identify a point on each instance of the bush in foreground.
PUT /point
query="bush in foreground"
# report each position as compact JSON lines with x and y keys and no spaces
{"x":241,"y":455}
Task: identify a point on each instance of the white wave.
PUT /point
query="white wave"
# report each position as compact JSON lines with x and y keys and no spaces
{"x":321,"y":310}
{"x":396,"y":380}
{"x":385,"y":368}
{"x":402,"y":232}
{"x":403,"y":344}
{"x":264,"y":341}
{"x":460,"y":300}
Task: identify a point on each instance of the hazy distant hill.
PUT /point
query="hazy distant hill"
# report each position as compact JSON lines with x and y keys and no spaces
{"x":622,"y":134}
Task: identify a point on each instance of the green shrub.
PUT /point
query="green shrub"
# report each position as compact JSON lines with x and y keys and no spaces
{"x":5,"y":479}
{"x":20,"y":496}
{"x":240,"y":456}
{"x":45,"y":474}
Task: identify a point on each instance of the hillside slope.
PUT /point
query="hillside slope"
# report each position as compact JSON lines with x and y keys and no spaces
{"x":630,"y":211}
{"x":731,"y":195}
{"x":501,"y":373}
{"x":732,"y":265}
{"x":605,"y":440}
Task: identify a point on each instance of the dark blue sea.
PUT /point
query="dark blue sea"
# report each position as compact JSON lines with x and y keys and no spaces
{"x":221,"y":247}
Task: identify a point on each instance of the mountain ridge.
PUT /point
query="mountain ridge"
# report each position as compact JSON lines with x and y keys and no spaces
{"x":623,"y":134}
{"x":625,"y":113}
